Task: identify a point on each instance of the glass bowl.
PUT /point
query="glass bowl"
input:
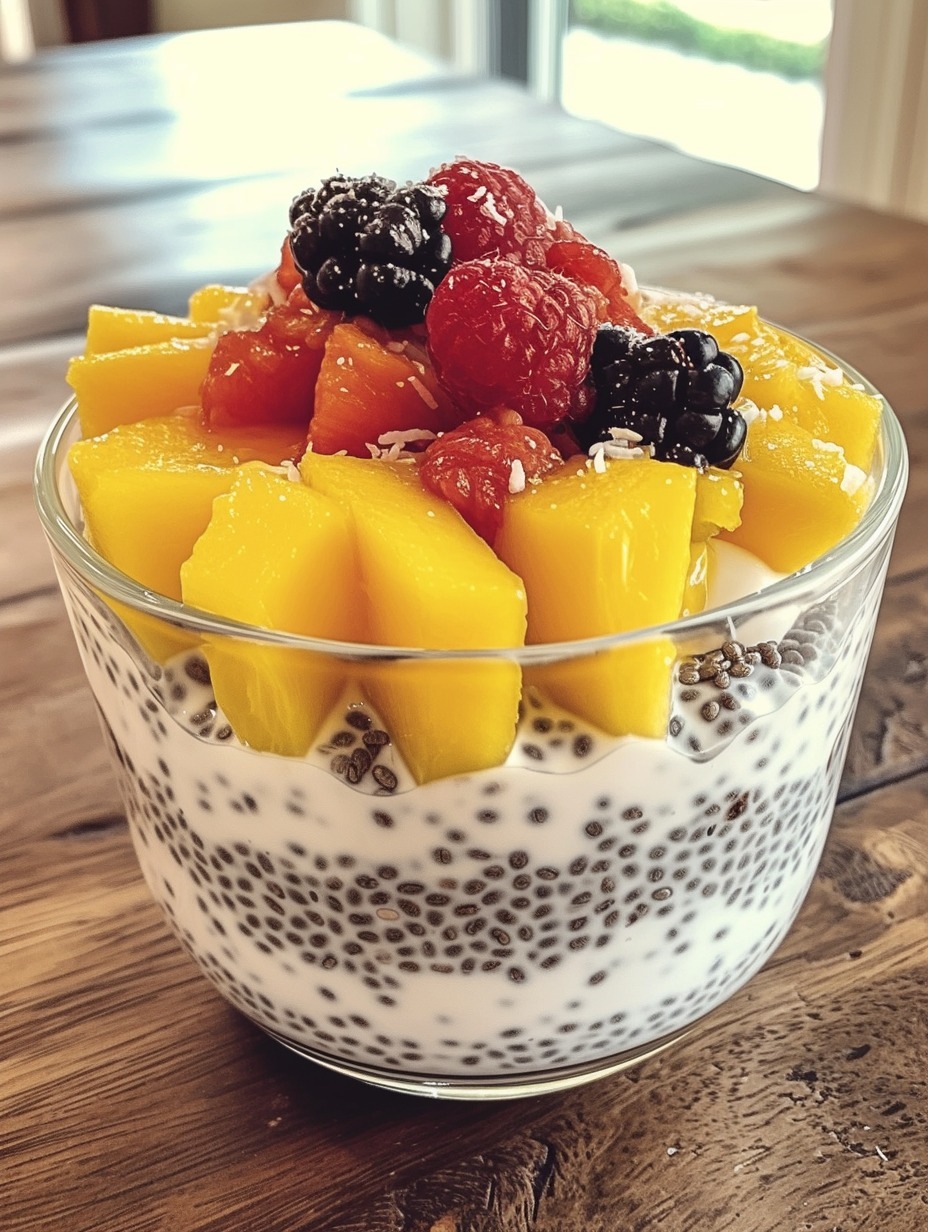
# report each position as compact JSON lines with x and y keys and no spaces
{"x":504,"y":931}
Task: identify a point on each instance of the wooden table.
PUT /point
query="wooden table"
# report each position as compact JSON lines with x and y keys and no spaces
{"x":131,"y":1096}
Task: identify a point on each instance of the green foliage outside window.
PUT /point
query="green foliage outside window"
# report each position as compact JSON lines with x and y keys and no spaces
{"x":670,"y":27}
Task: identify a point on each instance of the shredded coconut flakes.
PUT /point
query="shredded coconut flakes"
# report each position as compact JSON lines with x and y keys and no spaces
{"x":424,"y":393}
{"x":489,"y":208}
{"x":516,"y":477}
{"x":854,"y":479}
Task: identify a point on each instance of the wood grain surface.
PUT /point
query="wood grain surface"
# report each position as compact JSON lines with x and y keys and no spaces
{"x":132,"y":1099}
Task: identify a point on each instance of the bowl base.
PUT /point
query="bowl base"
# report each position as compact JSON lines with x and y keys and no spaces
{"x":461,"y":1087}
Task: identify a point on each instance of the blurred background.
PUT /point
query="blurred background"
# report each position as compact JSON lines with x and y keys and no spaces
{"x":830,"y":93}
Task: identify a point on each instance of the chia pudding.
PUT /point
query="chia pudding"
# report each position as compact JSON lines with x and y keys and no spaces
{"x":539,"y":923}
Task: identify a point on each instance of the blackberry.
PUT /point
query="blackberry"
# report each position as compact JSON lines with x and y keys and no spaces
{"x":363,"y":245}
{"x":675,"y":391}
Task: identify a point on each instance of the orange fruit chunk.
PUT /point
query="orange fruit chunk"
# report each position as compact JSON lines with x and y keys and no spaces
{"x":147,"y":489}
{"x":801,"y":496}
{"x":119,"y":387}
{"x":117,"y":329}
{"x":428,"y":581}
{"x":367,"y":387}
{"x":602,"y":553}
{"x":267,"y":536}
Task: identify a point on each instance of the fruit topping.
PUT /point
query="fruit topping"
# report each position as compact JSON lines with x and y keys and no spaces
{"x":287,"y":274}
{"x":363,"y":245}
{"x":147,"y":488}
{"x":492,"y":212}
{"x":503,"y":335}
{"x":125,"y":386}
{"x":266,"y":537}
{"x":785,"y":372}
{"x":570,"y":254}
{"x":117,"y":329}
{"x":801,"y":496}
{"x":603,"y":552}
{"x":368,"y":387}
{"x":425,"y":579}
{"x":673,"y":392}
{"x":480,"y":464}
{"x":268,"y":375}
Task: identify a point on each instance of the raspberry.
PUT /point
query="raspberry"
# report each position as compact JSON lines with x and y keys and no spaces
{"x":503,"y":335}
{"x":268,"y":375}
{"x":477,"y":465}
{"x":572,"y":255}
{"x":492,"y":212}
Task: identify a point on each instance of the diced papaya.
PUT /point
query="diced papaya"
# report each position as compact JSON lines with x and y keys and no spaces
{"x":367,"y":387}
{"x":118,"y":329}
{"x":267,"y":536}
{"x":121,"y":387}
{"x":268,"y":375}
{"x":784,"y":371}
{"x":233,"y":307}
{"x":602,"y":553}
{"x":801,"y":497}
{"x":429,"y":582}
{"x":147,"y":489}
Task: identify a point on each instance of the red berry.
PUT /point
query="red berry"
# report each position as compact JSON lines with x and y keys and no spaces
{"x":572,"y":255}
{"x":492,"y":212}
{"x":503,"y":335}
{"x":268,"y":375}
{"x":477,"y":465}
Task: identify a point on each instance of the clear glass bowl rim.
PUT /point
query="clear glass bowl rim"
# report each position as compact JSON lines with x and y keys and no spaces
{"x":813,"y":581}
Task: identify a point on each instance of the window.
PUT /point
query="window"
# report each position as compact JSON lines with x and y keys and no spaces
{"x":732,"y":81}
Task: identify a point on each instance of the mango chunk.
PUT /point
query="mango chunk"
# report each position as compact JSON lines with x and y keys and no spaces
{"x":120,"y":387}
{"x":784,"y":371}
{"x":266,"y":539}
{"x":719,"y":495}
{"x":117,"y":329}
{"x":147,"y":489}
{"x":232,"y":307}
{"x":801,"y":497}
{"x":430,"y":582}
{"x":604,"y":553}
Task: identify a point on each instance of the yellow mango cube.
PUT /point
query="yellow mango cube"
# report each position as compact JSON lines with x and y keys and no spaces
{"x":602,"y":553}
{"x":117,"y":329}
{"x":430,"y":582}
{"x":232,"y":307}
{"x":265,"y":538}
{"x":120,"y":387}
{"x":147,"y":489}
{"x":719,"y":495}
{"x":801,"y":496}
